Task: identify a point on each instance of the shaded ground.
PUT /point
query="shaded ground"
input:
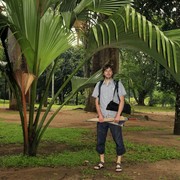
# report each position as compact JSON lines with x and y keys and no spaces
{"x":161,"y":134}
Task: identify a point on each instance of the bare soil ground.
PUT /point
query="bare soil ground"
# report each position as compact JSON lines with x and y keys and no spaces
{"x":161,"y":170}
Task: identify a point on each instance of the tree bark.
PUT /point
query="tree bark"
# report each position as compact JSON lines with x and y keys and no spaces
{"x":141,"y":98}
{"x":177,"y":112}
{"x":13,"y":102}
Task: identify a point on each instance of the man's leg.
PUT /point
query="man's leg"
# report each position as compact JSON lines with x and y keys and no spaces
{"x":119,"y":159}
{"x":102,"y":129}
{"x":101,"y":158}
{"x":120,"y":149}
{"x":116,"y":132}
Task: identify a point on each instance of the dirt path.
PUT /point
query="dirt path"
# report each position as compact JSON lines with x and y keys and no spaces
{"x":161,"y":133}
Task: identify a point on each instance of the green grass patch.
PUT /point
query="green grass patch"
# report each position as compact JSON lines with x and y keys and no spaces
{"x":142,"y":128}
{"x":69,"y":107}
{"x":10,"y":133}
{"x":69,"y":159}
{"x":147,"y":153}
{"x":136,"y":153}
{"x":2,"y":101}
{"x":67,"y":135}
{"x":152,"y":109}
{"x":80,"y":147}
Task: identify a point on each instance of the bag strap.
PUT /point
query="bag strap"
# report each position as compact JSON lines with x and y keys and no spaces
{"x":116,"y":88}
{"x":100,"y":84}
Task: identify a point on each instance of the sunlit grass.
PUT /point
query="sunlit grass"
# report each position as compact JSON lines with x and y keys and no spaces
{"x":152,"y":109}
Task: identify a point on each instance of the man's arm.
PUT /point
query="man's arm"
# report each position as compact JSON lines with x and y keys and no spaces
{"x":120,"y":109}
{"x":100,"y":116}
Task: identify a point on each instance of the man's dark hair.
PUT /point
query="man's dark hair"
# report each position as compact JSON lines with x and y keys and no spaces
{"x":106,"y":66}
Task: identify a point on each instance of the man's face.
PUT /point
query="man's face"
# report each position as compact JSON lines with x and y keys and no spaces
{"x":108,"y":73}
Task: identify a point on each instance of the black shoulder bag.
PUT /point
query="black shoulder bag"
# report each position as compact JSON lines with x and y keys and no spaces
{"x":114,"y":106}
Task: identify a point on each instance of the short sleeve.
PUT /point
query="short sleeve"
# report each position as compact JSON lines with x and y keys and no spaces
{"x":95,"y":93}
{"x":121,"y":89}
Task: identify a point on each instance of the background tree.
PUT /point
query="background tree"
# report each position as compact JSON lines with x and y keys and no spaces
{"x":68,"y":61}
{"x":142,"y":71}
{"x":65,"y":63}
{"x":166,"y":14}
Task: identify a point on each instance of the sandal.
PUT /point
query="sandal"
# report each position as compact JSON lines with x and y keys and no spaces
{"x":99,"y":166}
{"x":118,"y":167}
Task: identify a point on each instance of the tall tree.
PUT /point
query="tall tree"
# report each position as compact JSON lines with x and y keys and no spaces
{"x":142,"y":72}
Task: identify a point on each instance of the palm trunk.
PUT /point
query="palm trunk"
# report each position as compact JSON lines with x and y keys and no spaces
{"x":25,"y":128}
{"x":177,"y":112}
{"x":32,"y":147}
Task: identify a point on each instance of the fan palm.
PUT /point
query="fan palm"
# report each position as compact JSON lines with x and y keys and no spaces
{"x":44,"y":34}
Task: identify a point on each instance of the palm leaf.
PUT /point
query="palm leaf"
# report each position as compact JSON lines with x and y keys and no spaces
{"x":54,"y":39}
{"x":79,"y":83}
{"x":41,"y":40}
{"x":128,"y":29}
{"x":107,"y":7}
{"x":72,"y":10}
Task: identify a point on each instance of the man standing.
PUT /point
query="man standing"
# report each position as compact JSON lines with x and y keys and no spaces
{"x":103,"y":95}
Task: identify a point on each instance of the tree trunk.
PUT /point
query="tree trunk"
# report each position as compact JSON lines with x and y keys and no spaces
{"x":111,"y":56}
{"x":141,"y":98}
{"x":177,"y":112}
{"x":13,"y":102}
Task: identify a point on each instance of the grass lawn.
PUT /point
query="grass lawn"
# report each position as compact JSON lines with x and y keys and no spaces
{"x":79,"y":146}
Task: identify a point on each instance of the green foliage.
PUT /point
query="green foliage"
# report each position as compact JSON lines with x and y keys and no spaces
{"x":65,"y":63}
{"x":141,"y":71}
{"x":163,"y":98}
{"x":163,"y":12}
{"x":69,"y":60}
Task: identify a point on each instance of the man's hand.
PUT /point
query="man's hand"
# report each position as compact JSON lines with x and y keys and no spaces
{"x":101,"y":118}
{"x":116,"y":119}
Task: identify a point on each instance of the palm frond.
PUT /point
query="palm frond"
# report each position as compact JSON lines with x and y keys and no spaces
{"x":129,"y":29}
{"x":52,"y":39}
{"x":107,"y":7}
{"x":79,"y":83}
{"x":72,"y":10}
